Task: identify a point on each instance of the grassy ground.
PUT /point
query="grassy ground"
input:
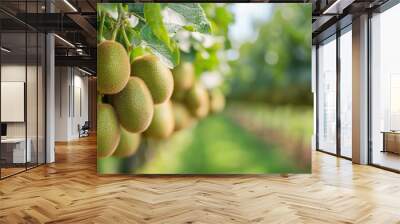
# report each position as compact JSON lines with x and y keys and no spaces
{"x":295,"y":122}
{"x":287,"y":126}
{"x":217,"y":145}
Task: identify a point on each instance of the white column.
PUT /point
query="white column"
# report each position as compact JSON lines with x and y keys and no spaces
{"x":360,"y":90}
{"x":50,"y":92}
{"x":50,"y":98}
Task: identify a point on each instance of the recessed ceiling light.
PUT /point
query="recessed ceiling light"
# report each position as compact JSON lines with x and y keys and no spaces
{"x":65,"y":41}
{"x":84,"y":71}
{"x":338,"y":6}
{"x":5,"y":50}
{"x":70,"y":5}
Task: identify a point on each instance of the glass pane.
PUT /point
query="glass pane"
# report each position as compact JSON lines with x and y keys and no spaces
{"x":386,"y":89}
{"x":13,"y":86}
{"x":31,"y":98}
{"x":23,"y":89}
{"x":313,"y":89}
{"x":346,"y":94}
{"x":41,"y":99}
{"x":32,"y":85}
{"x":327,"y":97}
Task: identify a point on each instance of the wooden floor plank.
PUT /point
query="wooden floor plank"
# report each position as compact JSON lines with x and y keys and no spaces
{"x":70,"y":191}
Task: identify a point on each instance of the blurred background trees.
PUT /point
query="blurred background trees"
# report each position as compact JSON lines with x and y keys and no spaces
{"x":276,"y":67}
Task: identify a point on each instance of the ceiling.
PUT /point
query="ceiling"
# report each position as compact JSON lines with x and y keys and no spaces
{"x":74,"y":22}
{"x":330,"y":15}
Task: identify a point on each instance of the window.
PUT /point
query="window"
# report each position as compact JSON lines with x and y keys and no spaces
{"x":385,"y":89}
{"x":22,"y":77}
{"x":327,"y":96}
{"x":346,"y":93}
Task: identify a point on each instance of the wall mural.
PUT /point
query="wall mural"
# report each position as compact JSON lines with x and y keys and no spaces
{"x":187,"y":88}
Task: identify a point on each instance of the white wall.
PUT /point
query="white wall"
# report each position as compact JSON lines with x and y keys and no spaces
{"x":79,"y":117}
{"x":70,"y":83}
{"x":61,"y":103}
{"x":13,"y":100}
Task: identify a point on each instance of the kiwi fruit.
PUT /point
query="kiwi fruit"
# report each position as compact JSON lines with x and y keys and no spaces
{"x":108,"y":131}
{"x":134,"y":105}
{"x":197,"y":100}
{"x":156,"y":75}
{"x":178,"y":95}
{"x":182,"y":116}
{"x":113,"y":67}
{"x":163,"y":121}
{"x":217,"y":101}
{"x":183,"y":76}
{"x":128,"y":144}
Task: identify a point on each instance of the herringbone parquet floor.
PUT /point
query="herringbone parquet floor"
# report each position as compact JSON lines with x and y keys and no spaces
{"x":69,"y":191}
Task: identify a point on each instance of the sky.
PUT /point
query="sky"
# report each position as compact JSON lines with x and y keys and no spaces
{"x":245,"y":13}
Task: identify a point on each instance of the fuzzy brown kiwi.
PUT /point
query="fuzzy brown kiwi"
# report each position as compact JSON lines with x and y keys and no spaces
{"x":217,"y":100}
{"x":128,"y":144}
{"x":163,"y":121}
{"x":113,"y":67}
{"x":156,"y":75}
{"x":183,"y":76}
{"x":197,"y":100}
{"x":108,"y":132}
{"x":182,"y":116}
{"x":134,"y":105}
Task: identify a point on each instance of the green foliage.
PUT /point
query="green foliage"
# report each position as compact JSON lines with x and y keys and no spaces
{"x":205,"y":48}
{"x":151,"y":32}
{"x":108,"y":8}
{"x":137,"y":9}
{"x":132,"y":37}
{"x":169,"y":55}
{"x":219,"y":16}
{"x":194,"y":15}
{"x":152,"y":14}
